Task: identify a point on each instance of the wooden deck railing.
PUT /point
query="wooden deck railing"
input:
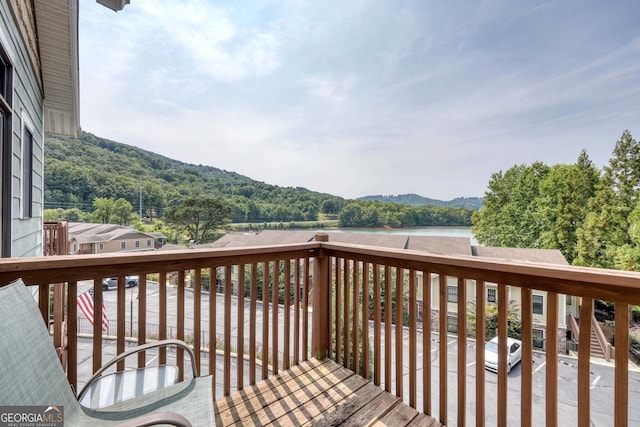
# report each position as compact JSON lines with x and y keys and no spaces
{"x":358,"y":294}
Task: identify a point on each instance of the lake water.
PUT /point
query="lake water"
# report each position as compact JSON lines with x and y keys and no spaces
{"x":416,"y":231}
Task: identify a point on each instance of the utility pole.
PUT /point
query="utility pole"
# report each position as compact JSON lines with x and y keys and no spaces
{"x":140,"y":200}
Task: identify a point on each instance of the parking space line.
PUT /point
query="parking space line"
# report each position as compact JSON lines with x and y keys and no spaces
{"x":595,"y":381}
{"x":471,"y":364}
{"x":540,"y":367}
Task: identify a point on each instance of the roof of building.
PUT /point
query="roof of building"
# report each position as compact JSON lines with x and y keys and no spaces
{"x":100,"y":233}
{"x":442,"y":245}
{"x":548,"y":256}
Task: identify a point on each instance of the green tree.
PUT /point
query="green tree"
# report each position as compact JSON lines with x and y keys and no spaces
{"x":603,"y":240}
{"x":199,"y":218}
{"x":103,"y":209}
{"x":122,"y":211}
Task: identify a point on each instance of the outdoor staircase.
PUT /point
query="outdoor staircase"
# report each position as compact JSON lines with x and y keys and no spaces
{"x":596,"y":348}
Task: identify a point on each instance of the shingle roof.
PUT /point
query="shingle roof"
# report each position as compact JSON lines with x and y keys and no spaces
{"x":100,"y":233}
{"x":549,"y":256}
{"x":433,"y":244}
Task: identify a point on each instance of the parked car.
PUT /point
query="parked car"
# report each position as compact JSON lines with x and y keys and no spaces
{"x":513,"y":349}
{"x":112,"y":282}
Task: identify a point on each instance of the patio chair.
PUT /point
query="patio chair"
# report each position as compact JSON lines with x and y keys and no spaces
{"x":31,"y":374}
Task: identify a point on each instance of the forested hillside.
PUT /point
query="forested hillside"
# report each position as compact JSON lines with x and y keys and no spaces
{"x":78,"y":170}
{"x":417,"y":200}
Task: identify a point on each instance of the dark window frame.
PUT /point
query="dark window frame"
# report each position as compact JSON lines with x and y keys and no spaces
{"x":27,"y":173}
{"x":492,"y":295}
{"x":6,"y":143}
{"x":537,"y":306}
{"x":452,"y":294}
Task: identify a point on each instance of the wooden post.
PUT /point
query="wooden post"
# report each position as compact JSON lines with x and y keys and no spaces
{"x":321,"y":318}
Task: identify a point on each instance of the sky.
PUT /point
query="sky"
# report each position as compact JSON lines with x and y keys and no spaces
{"x":363,"y":97}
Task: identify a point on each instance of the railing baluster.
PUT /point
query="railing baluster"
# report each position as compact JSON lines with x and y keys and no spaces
{"x":365,"y":320}
{"x":503,"y":305}
{"x":338,"y":290}
{"x":387,"y":328}
{"x":252,"y":323}
{"x":72,"y":334}
{"x":376,"y":324}
{"x":526,"y":388}
{"x":287,"y":314}
{"x":97,"y":324}
{"x":142,"y":317}
{"x":197,"y":317}
{"x":426,"y":342}
{"x":584,"y":363}
{"x":443,"y":314}
{"x":355,"y":318}
{"x":347,"y":307}
{"x":265,"y":321}
{"x":480,"y":340}
{"x":296,"y":312}
{"x":121,"y":314}
{"x":275,"y":301}
{"x":240,"y":329}
{"x":227,"y":329}
{"x":213,"y":288}
{"x":462,"y":351}
{"x":399,"y":331}
{"x":413,"y":338}
{"x":162,"y":316}
{"x":551,"y":375}
{"x":180,"y":311}
{"x":621,"y":393}
{"x":305,"y":319}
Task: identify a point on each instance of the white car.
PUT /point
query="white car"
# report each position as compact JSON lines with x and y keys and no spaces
{"x":513,"y":349}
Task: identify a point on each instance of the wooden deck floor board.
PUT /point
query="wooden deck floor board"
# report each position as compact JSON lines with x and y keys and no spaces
{"x":316,"y":393}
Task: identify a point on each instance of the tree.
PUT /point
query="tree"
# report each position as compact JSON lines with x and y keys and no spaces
{"x":103,"y":209}
{"x":122,"y":211}
{"x":603,"y":240}
{"x":199,"y":217}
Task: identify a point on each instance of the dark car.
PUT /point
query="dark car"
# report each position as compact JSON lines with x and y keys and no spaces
{"x":112,"y":282}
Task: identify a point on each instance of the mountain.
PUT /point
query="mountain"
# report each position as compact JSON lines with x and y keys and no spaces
{"x":417,"y":200}
{"x":78,"y":170}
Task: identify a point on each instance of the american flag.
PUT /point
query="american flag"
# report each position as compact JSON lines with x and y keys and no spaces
{"x":85,"y":303}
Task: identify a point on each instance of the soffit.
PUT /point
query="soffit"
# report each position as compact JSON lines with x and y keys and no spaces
{"x":57,"y":32}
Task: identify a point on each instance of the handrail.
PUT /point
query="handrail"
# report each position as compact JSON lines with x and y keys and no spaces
{"x":602,"y":340}
{"x":573,"y":326}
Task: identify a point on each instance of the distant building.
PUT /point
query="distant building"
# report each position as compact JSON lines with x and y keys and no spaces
{"x":87,"y":238}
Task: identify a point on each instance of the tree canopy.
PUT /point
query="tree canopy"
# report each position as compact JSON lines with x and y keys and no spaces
{"x":199,"y":217}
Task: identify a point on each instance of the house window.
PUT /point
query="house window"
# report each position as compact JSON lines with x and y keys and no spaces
{"x":538,"y":301}
{"x":101,"y":246}
{"x":27,"y":174}
{"x":123,"y":245}
{"x":148,"y":243}
{"x":491,"y":295}
{"x":6,"y":93}
{"x":452,"y":294}
{"x":538,"y":338}
{"x":137,"y":243}
{"x":452,"y":324}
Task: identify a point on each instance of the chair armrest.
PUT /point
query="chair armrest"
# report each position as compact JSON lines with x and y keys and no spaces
{"x":157,"y":418}
{"x":143,"y":347}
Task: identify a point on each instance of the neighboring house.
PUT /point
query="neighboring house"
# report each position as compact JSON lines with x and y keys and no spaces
{"x":547,"y":256}
{"x":38,"y":94}
{"x":86,"y":238}
{"x":436,"y":245}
